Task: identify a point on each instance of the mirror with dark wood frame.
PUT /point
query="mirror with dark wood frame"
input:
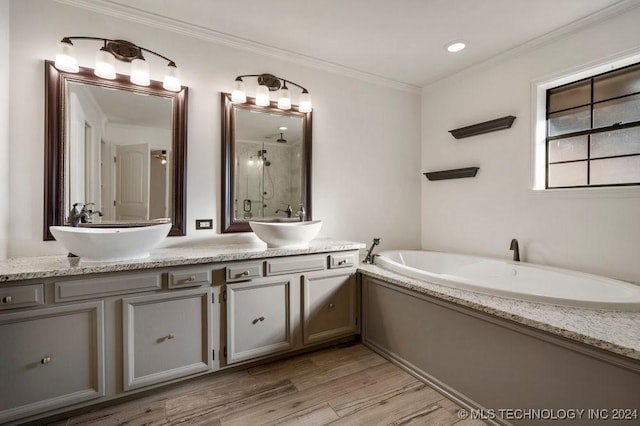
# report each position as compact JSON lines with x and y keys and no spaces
{"x":266,"y":164}
{"x":117,"y":145}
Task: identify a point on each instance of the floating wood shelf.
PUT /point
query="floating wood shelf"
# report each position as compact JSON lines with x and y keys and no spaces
{"x":452,"y":174}
{"x":485,"y":127}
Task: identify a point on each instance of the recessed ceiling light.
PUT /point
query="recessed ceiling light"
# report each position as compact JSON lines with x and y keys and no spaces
{"x":455,"y":46}
{"x":283,"y":128}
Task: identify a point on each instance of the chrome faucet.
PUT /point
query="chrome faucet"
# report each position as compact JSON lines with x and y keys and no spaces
{"x":369,"y":258}
{"x":288,"y":211}
{"x":302,"y":214}
{"x":516,"y":250}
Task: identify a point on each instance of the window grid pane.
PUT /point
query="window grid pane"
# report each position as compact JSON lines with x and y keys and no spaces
{"x":595,"y":157}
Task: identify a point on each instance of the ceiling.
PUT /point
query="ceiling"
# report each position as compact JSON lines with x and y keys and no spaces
{"x":399,"y":41}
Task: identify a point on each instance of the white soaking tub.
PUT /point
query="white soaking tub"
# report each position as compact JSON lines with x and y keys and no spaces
{"x":523,"y":281}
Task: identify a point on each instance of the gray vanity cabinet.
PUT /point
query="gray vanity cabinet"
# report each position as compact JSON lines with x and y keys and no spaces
{"x":259,"y":318}
{"x":60,"y":363}
{"x":288,"y":303}
{"x":166,"y":336}
{"x":329,"y":306}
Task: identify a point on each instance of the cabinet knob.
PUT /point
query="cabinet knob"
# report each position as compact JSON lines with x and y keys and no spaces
{"x":331,"y":305}
{"x":45,"y":360}
{"x":190,"y":278}
{"x":7,"y":299}
{"x":246,"y":273}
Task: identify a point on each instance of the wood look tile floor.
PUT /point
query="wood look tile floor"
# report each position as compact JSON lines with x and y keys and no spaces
{"x":347,"y":384}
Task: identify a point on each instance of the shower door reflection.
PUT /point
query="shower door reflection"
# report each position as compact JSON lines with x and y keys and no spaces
{"x":268,"y":179}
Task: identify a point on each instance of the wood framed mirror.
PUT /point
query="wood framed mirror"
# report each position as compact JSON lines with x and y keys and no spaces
{"x":266,"y":163}
{"x":114,"y":144}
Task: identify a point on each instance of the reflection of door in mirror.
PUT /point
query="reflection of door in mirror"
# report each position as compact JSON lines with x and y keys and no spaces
{"x":268,"y":164}
{"x":118,"y":153}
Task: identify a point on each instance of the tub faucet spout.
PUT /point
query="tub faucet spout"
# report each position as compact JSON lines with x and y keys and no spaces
{"x":369,"y":258}
{"x":516,"y":250}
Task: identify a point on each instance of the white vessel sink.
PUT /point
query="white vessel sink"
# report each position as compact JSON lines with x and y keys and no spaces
{"x":289,"y":235}
{"x":110,"y":244}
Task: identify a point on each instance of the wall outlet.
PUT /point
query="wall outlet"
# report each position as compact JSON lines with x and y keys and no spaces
{"x":204,"y":223}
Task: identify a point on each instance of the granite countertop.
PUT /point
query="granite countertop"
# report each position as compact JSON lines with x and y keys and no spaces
{"x":25,"y":268}
{"x":616,"y":332}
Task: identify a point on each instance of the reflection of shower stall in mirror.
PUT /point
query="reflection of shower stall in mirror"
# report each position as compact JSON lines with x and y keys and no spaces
{"x":268,"y":178}
{"x":255,"y":184}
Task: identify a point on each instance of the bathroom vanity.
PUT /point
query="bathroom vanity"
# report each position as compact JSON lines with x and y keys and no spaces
{"x":77,"y":335}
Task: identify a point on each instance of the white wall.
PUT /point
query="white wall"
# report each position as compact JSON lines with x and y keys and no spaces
{"x":4,"y":128}
{"x":595,"y":233}
{"x":366,"y":171}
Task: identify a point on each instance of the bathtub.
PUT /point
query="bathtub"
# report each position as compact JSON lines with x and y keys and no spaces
{"x":523,"y":281}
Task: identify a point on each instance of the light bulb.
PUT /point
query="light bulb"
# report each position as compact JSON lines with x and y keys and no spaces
{"x":172,"y":78}
{"x":65,"y":58}
{"x":262,"y":96}
{"x":105,"y":64}
{"x":239,"y":95}
{"x":140,"y":72}
{"x":305,"y":102}
{"x":284,"y":102}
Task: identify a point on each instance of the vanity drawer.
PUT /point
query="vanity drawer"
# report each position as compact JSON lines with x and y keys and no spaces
{"x":188,"y":278}
{"x":243,"y":271}
{"x":342,"y":260}
{"x":296,"y":264}
{"x":21,"y":296}
{"x":104,"y":287}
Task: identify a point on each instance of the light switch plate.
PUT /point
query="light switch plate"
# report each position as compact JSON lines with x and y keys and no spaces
{"x":204,"y":223}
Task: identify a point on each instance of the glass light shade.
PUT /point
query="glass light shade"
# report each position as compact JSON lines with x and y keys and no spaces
{"x":239,"y":95}
{"x":172,"y":79}
{"x":284,"y":102}
{"x":105,"y":65}
{"x":305,"y":102}
{"x":262,"y":95}
{"x":140,"y":72}
{"x":66,"y":59}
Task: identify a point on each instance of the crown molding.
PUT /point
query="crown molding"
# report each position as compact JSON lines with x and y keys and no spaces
{"x":138,"y":16}
{"x":550,"y":37}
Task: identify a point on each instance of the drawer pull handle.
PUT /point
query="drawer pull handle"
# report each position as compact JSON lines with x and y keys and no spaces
{"x":255,"y":321}
{"x":45,"y":360}
{"x":171,"y":336}
{"x":331,"y":305}
{"x":246,"y":273}
{"x":7,"y":299}
{"x":342,"y":262}
{"x":190,"y":278}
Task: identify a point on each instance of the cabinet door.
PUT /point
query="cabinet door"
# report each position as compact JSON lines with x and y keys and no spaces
{"x":329,"y":306}
{"x":50,"y":358}
{"x":259,"y":318}
{"x":166,"y":336}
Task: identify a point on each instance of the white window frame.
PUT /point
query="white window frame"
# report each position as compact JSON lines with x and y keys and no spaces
{"x":539,"y":89}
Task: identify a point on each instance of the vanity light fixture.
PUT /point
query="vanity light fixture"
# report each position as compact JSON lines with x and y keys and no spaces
{"x":122,"y":50}
{"x":270,"y":83}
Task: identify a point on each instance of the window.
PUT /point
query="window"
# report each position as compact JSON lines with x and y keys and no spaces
{"x":593,"y":131}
